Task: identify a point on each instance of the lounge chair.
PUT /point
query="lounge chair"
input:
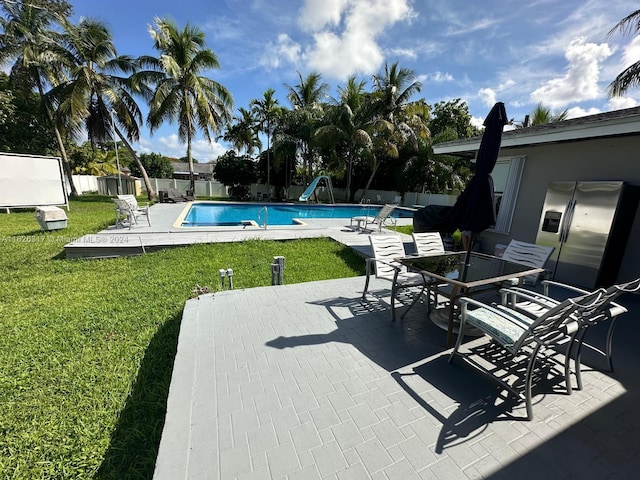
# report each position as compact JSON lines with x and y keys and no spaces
{"x":128,"y":210}
{"x":527,"y":254}
{"x":386,"y":249}
{"x":522,"y":348}
{"x":381,"y":219}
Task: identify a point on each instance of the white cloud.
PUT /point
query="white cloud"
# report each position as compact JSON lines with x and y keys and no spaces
{"x":488,"y":96}
{"x":315,"y":15}
{"x":631,"y":52}
{"x":618,"y":103}
{"x":438,"y":77}
{"x":404,"y":52}
{"x":580,"y":82}
{"x":344,"y":36}
{"x":285,"y":50}
{"x":477,"y":122}
{"x":576,"y":112}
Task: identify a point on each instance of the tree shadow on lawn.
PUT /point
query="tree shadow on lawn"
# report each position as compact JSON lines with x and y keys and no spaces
{"x":135,"y":441}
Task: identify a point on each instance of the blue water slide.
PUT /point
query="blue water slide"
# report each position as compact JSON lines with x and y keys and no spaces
{"x":311,"y":188}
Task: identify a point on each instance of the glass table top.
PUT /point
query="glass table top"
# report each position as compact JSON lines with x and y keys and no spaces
{"x":481,"y":268}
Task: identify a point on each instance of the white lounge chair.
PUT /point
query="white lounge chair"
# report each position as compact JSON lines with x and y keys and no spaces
{"x":128,"y":211}
{"x":381,"y":219}
{"x":386,"y":249}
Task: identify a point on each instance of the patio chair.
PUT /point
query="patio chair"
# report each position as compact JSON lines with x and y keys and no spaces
{"x":521,"y":348}
{"x":385,"y":250}
{"x":381,"y":219}
{"x":527,"y":254}
{"x":534,"y":304}
{"x":428,"y":243}
{"x":126,"y":212}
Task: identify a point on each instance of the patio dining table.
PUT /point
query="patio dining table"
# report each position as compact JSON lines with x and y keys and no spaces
{"x":482,"y":273}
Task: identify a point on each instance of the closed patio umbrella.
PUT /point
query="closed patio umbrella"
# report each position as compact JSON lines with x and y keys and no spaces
{"x":474,"y":210}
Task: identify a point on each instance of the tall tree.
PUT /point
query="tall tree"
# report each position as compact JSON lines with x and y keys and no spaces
{"x":241,"y":134}
{"x":266,"y":111}
{"x":93,"y":99}
{"x":393,"y":89}
{"x":306,"y":98}
{"x":29,"y":41}
{"x":347,"y":127}
{"x":182,"y":93}
{"x":630,"y":76}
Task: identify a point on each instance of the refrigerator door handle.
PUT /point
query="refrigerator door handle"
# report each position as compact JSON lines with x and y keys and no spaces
{"x":566,"y":226}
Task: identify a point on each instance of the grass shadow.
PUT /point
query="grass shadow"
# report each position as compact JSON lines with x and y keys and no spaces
{"x":134,"y":443}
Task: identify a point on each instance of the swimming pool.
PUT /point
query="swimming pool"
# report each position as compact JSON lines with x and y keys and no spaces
{"x":204,"y":214}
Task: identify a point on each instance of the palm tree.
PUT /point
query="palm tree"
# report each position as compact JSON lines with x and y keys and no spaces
{"x":242,"y":134}
{"x":306,"y":97}
{"x":181,"y":93}
{"x":39,"y":60}
{"x":629,"y":77}
{"x":266,"y":111}
{"x":394,"y":87}
{"x":542,"y":115}
{"x":94,"y":100}
{"x":347,"y":128}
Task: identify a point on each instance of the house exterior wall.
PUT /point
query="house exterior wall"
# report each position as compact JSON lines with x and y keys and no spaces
{"x":588,"y":160}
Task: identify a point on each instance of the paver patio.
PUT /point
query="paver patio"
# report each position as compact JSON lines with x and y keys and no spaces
{"x":308,"y":381}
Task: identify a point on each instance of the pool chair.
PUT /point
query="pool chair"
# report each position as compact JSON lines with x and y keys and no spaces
{"x":534,"y":304}
{"x":386,"y":249}
{"x":383,"y":218}
{"x":128,"y":211}
{"x":522,"y":349}
{"x":528,"y":254}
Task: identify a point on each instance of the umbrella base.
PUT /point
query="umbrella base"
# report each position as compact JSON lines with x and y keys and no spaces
{"x":440,"y":318}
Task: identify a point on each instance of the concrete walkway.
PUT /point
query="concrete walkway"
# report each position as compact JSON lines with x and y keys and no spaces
{"x":308,"y":381}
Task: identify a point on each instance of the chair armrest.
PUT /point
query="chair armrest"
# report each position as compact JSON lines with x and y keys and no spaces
{"x":397,"y":267}
{"x":514,"y":294}
{"x":547,"y":283}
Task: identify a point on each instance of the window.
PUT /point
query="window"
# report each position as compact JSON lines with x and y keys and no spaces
{"x":506,"y":183}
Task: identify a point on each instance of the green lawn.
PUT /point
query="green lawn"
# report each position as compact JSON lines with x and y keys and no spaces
{"x":88,"y":345}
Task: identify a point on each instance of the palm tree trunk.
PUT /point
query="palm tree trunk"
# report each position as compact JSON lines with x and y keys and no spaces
{"x":376,"y":164}
{"x":151,"y":194}
{"x":63,"y":151}
{"x":192,"y":180}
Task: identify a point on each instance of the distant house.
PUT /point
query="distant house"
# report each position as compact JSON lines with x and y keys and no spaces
{"x":593,"y":148}
{"x":202,"y":171}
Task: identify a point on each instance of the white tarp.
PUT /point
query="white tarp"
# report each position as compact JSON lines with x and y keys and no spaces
{"x":30,"y":181}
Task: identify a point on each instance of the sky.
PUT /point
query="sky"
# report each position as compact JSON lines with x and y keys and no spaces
{"x":559,"y":53}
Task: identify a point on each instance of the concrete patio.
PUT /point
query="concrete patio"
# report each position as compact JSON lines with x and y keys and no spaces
{"x":308,"y":381}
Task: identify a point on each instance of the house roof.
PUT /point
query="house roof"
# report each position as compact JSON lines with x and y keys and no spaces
{"x":608,"y":124}
{"x":183,"y":167}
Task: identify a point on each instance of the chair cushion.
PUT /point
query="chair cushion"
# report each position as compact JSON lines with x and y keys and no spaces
{"x":505,"y":328}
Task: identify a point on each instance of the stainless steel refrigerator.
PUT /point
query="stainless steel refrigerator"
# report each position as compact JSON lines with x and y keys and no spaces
{"x":588,"y":223}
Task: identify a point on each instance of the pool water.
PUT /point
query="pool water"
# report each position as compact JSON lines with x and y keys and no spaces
{"x":239,"y":214}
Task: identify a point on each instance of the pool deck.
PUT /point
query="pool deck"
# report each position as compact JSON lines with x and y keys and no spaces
{"x":163,"y":233}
